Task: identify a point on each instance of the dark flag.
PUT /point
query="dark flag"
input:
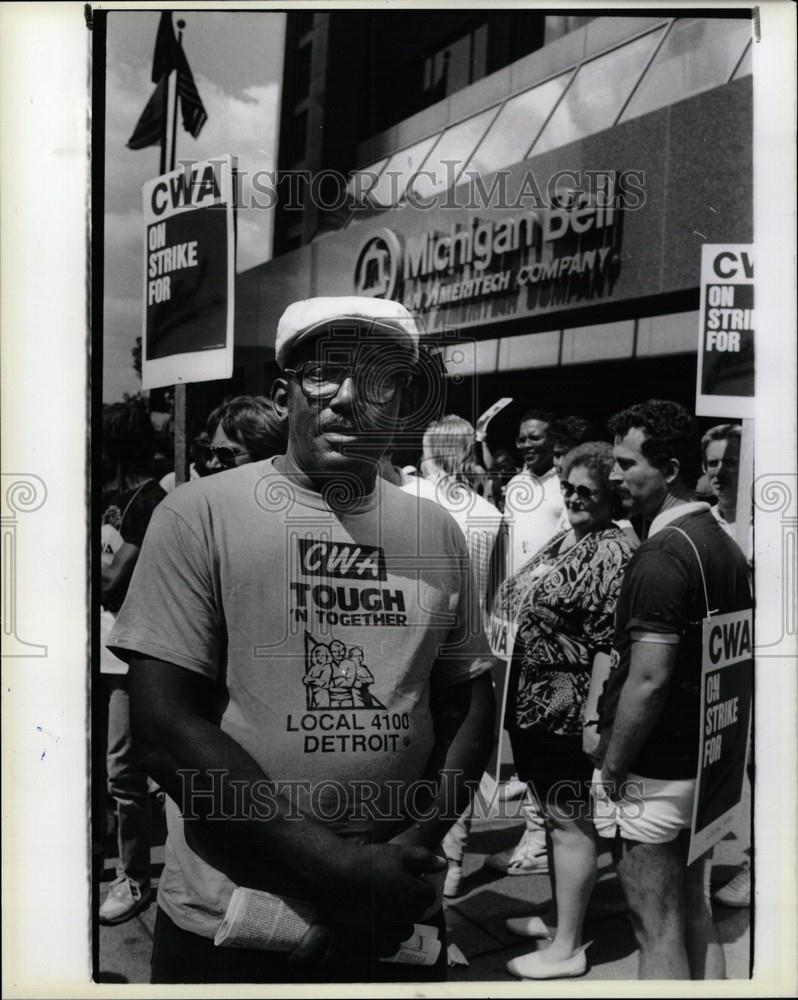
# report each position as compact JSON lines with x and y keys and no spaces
{"x":194,"y":116}
{"x":165,"y":57}
{"x":150,"y":127}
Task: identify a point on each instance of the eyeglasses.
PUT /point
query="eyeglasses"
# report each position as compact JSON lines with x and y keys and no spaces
{"x":377,"y":384}
{"x":584,"y":493}
{"x":713,"y":464}
{"x":223,"y":454}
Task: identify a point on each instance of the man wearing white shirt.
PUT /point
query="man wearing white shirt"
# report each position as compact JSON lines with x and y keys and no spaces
{"x":721,"y":451}
{"x":533,"y":501}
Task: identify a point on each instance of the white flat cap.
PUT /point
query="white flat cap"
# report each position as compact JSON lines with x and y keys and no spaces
{"x":309,"y":317}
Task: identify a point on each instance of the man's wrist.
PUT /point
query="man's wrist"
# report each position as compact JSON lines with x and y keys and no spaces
{"x":340,"y":872}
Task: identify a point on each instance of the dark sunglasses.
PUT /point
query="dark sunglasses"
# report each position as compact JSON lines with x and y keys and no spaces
{"x":713,"y":464}
{"x":584,"y":493}
{"x":224,"y":455}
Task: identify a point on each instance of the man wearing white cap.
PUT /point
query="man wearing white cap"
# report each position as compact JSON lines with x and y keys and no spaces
{"x":242,"y":576}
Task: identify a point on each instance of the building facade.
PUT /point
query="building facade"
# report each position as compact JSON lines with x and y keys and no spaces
{"x":536,"y":188}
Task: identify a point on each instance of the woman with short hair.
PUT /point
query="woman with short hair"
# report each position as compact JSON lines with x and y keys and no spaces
{"x":561,"y":604}
{"x":240,"y":430}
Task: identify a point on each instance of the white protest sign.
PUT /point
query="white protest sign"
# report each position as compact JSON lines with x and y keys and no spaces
{"x":726,"y":325}
{"x":189,"y":275}
{"x":726,"y":685}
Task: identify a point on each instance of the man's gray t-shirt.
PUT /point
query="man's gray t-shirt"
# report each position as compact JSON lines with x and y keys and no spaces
{"x":321,"y":630}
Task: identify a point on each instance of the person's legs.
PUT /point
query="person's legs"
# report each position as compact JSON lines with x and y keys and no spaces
{"x":652,"y":878}
{"x":574,"y":856}
{"x":574,"y":873}
{"x":534,"y":822}
{"x":454,"y":847}
{"x":704,"y":950}
{"x":736,"y":891}
{"x":564,"y":787}
{"x":127,"y":784}
{"x":529,"y":854}
{"x":454,"y":843}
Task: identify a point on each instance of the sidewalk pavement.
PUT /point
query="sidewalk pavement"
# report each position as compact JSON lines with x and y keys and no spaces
{"x":476,"y":918}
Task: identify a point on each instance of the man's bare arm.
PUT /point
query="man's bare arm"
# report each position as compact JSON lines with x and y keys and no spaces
{"x":116,"y":576}
{"x":262,"y":847}
{"x":464,"y":733}
{"x":639,"y":706}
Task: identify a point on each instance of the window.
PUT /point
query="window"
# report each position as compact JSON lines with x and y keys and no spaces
{"x":698,"y":54}
{"x":304,"y":22}
{"x":456,"y":66}
{"x":299,"y":136}
{"x":456,"y":147}
{"x":598,"y":92}
{"x":398,"y":171}
{"x":516,"y":127}
{"x":302,"y":72}
{"x":362,"y":181}
{"x":558,"y":25}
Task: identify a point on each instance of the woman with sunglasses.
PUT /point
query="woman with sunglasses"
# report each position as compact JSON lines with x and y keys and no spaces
{"x":561,"y":606}
{"x":241,"y":430}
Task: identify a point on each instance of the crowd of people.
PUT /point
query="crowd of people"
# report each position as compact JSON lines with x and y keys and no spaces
{"x":240,"y":430}
{"x":322,"y":625}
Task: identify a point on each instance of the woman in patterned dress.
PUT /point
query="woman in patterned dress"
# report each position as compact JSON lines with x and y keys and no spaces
{"x":561,"y":605}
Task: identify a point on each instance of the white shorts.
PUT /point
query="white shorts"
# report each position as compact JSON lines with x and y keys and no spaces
{"x":652,"y":811}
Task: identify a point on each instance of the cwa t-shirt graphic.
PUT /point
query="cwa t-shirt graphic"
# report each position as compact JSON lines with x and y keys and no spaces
{"x":337,"y":677}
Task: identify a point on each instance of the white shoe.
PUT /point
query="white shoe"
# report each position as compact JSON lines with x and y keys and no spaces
{"x":531,"y":927}
{"x":535,"y":966}
{"x":737,"y":891}
{"x":125,"y":899}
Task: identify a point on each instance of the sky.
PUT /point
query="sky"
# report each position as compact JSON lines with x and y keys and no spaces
{"x":236,"y":58}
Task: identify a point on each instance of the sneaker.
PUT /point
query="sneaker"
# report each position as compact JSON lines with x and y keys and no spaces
{"x":453,"y":881}
{"x":528,"y":858}
{"x":736,"y":892}
{"x":125,"y":899}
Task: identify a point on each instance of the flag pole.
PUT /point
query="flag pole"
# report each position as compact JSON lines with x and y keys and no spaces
{"x":182,"y":455}
{"x":173,"y":159}
{"x":164,"y":116}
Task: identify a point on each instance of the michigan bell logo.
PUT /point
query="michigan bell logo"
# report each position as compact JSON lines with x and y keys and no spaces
{"x":378,"y":263}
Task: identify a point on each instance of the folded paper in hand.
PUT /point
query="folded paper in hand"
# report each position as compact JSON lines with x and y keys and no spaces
{"x":256,"y":919}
